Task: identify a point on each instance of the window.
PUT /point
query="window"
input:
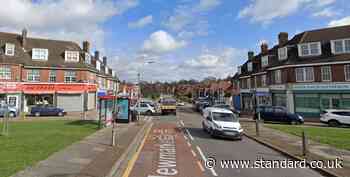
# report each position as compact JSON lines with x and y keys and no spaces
{"x":98,"y":65}
{"x":277,"y":76}
{"x":304,"y":74}
{"x":9,"y":49}
{"x":248,"y":83}
{"x":52,"y":76}
{"x":264,"y":61}
{"x":87,"y":58}
{"x":340,"y":46}
{"x":263,"y":80}
{"x":72,"y":56}
{"x":326,"y":73}
{"x":70,"y":76}
{"x":5,"y":72}
{"x":309,"y":49}
{"x":33,"y":75}
{"x":239,"y":69}
{"x":347,"y":72}
{"x":282,"y":53}
{"x":40,"y":54}
{"x":250,"y":66}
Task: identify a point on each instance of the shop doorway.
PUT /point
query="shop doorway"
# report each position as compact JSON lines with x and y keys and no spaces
{"x":330,"y":102}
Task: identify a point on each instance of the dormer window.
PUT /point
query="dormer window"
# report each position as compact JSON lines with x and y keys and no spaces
{"x":40,"y":54}
{"x":72,"y":56}
{"x":98,"y":65}
{"x":250,"y":66}
{"x":309,"y":49}
{"x":340,"y":46}
{"x":87,"y":58}
{"x":9,"y":49}
{"x":239,"y":69}
{"x":282,"y":53}
{"x":264,"y":61}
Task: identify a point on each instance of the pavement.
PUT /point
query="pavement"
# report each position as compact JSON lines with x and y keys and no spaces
{"x":92,"y":157}
{"x":292,"y":145}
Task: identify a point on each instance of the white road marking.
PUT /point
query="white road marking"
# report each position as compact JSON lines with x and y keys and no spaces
{"x":185,"y":137}
{"x":189,"y":144}
{"x":205,"y":159}
{"x":193,"y":153}
{"x":182,"y":123}
{"x":189,"y":135}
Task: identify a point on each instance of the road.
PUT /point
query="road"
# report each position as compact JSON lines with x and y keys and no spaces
{"x":177,"y":146}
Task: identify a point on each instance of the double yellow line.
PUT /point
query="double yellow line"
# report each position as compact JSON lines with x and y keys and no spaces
{"x":131,"y":163}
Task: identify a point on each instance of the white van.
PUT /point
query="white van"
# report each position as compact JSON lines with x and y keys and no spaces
{"x":221,"y":122}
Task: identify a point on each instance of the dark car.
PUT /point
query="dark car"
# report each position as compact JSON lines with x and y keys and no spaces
{"x":278,"y":114}
{"x":46,"y":110}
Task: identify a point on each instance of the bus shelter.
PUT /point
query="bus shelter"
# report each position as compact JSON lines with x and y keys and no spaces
{"x":107,"y":106}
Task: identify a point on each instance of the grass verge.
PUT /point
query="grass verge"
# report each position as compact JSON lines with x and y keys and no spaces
{"x":31,"y":141}
{"x":337,"y":137}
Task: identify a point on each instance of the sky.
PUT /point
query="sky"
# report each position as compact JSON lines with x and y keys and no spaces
{"x":168,"y":40}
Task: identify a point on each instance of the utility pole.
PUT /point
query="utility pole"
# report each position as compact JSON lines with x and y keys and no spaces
{"x":5,"y":125}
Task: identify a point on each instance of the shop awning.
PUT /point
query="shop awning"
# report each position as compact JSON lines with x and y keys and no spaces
{"x":38,"y":92}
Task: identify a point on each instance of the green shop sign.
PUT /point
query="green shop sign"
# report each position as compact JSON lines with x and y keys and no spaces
{"x":331,"y":86}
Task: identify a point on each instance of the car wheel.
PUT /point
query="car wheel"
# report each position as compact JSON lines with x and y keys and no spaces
{"x":333,"y":123}
{"x":12,"y":114}
{"x":60,"y":114}
{"x":149,"y":113}
{"x":37,"y":114}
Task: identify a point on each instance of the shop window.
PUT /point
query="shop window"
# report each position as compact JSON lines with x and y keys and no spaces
{"x":5,"y":72}
{"x":33,"y":75}
{"x":307,"y":103}
{"x":70,"y":76}
{"x":326,"y":73}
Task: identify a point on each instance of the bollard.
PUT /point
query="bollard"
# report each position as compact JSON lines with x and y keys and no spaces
{"x":304,"y":143}
{"x":113,"y":134}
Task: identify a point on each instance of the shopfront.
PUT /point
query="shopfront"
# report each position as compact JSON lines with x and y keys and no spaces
{"x":263,"y":97}
{"x":10,"y":92}
{"x":247,"y":101}
{"x":311,"y":99}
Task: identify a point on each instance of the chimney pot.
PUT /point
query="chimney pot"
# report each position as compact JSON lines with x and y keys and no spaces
{"x":86,"y":46}
{"x":250,"y":55}
{"x":264,"y":48}
{"x":24,"y":37}
{"x":105,"y":60}
{"x":282,"y":38}
{"x":97,"y":55}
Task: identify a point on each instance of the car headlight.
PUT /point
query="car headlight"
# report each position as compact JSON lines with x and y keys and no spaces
{"x":217,"y":126}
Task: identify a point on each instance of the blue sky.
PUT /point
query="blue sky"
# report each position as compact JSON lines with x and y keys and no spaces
{"x":185,"y":38}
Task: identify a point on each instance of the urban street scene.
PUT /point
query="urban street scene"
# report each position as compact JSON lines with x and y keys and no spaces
{"x":181,"y":88}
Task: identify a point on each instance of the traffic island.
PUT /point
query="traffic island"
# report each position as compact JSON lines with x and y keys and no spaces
{"x":291,"y":146}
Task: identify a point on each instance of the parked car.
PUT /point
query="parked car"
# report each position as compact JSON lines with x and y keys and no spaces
{"x":278,"y":114}
{"x":226,"y":106}
{"x":143,"y":108}
{"x":221,"y":122}
{"x":335,"y":118}
{"x":46,"y":110}
{"x":202,"y":105}
{"x":12,"y":111}
{"x":180,"y":103}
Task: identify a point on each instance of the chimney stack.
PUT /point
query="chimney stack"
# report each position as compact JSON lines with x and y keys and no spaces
{"x":105,"y":60}
{"x":264,"y":48}
{"x":86,"y":46}
{"x":282,"y":38}
{"x":24,"y":37}
{"x":97,"y":55}
{"x":250,"y":55}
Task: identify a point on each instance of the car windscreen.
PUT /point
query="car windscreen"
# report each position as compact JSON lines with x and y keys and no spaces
{"x":224,"y":117}
{"x":168,"y":101}
{"x":225,"y":106}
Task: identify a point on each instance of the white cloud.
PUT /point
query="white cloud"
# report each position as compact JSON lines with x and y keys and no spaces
{"x":265,"y":11}
{"x":205,"y":5}
{"x":161,"y":42}
{"x":141,"y":22}
{"x":340,"y":22}
{"x":62,"y":19}
{"x":327,"y":12}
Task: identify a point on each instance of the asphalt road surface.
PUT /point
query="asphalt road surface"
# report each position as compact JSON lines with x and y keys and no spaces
{"x":177,"y":146}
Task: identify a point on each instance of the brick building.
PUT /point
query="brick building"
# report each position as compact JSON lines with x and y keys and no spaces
{"x":61,"y":73}
{"x":306,"y":74}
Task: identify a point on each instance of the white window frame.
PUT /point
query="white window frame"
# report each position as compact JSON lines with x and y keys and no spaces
{"x":347,"y":72}
{"x":263,"y":80}
{"x":277,"y":76}
{"x":249,"y":83}
{"x":309,"y":49}
{"x":250,"y":66}
{"x":343,"y":46}
{"x":98,"y":65}
{"x":5,"y":72}
{"x":303,"y":70}
{"x":9,"y":49}
{"x":71,"y":56}
{"x":40,"y":54}
{"x":33,"y":75}
{"x":52,"y":74}
{"x":283,"y":50}
{"x":87,"y":58}
{"x":329,"y":68}
{"x":69,"y":77}
{"x":264,"y":61}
